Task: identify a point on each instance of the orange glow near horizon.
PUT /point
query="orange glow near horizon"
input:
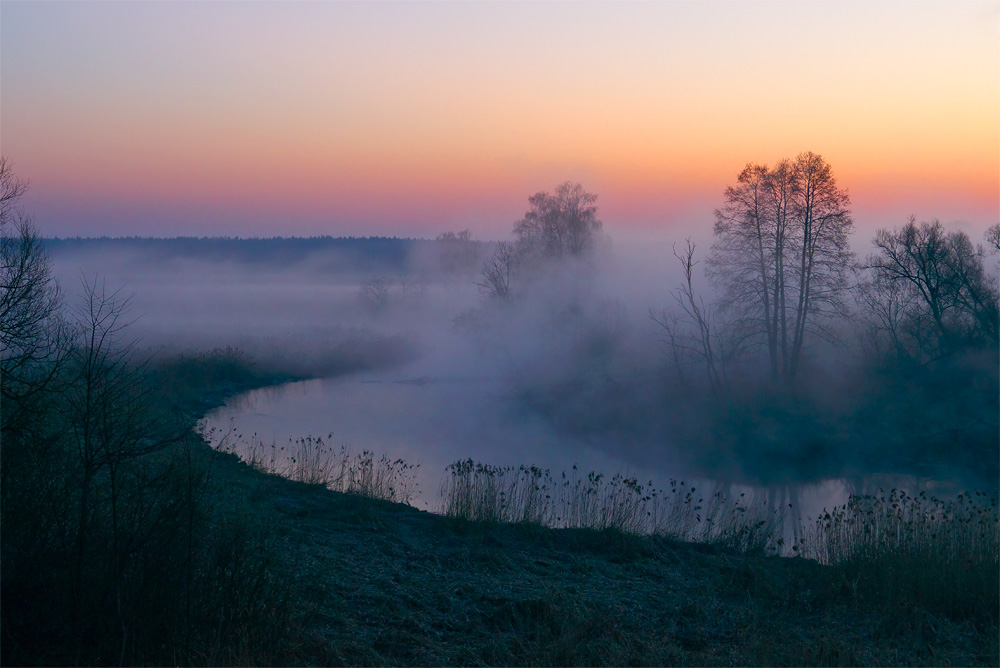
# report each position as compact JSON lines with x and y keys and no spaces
{"x":351,"y":118}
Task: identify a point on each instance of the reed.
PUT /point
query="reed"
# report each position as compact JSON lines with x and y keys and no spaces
{"x":906,"y":551}
{"x":321,"y":461}
{"x":480,"y":492}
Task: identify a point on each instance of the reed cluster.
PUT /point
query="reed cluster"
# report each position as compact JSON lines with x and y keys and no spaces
{"x":906,"y":551}
{"x":480,"y":492}
{"x":321,"y":461}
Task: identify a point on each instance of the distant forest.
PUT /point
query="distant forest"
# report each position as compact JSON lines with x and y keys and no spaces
{"x":390,"y":254}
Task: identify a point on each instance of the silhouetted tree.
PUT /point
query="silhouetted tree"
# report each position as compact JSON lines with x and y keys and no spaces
{"x":561,"y":223}
{"x":110,"y":412}
{"x":694,"y":338}
{"x":930,"y":291}
{"x":112,"y":545}
{"x":498,"y":270}
{"x":32,"y":335}
{"x":11,"y":190}
{"x":781,"y":256}
{"x":993,"y":237}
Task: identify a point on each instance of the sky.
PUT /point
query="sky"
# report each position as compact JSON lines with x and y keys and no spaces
{"x":413,"y":118}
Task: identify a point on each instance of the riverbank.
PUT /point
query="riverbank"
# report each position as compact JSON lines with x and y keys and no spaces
{"x":361,"y":581}
{"x":384,"y":584}
{"x":180,"y":554}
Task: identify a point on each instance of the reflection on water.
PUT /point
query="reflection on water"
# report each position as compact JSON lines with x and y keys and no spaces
{"x":433,"y":421}
{"x":422,"y":419}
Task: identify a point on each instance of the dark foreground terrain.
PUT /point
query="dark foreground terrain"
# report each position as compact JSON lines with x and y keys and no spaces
{"x":384,"y":584}
{"x":279,"y":572}
{"x":370,"y":582}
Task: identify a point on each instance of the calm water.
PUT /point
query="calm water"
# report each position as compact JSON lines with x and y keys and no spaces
{"x":433,"y":421}
{"x":424,"y":420}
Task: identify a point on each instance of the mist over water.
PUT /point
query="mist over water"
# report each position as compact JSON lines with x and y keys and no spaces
{"x":434,"y":421}
{"x":576,"y":373}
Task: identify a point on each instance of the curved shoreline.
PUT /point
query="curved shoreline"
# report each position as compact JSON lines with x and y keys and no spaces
{"x":405,"y":587}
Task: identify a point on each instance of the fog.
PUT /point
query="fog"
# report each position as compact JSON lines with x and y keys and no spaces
{"x":407,"y":357}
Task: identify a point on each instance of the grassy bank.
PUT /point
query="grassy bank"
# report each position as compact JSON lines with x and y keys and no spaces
{"x":489,"y":581}
{"x":216,"y":562}
{"x":194,"y":383}
{"x":397,"y":586}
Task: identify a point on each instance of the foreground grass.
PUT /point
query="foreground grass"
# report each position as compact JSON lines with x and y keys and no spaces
{"x":386,"y":584}
{"x":321,"y":461}
{"x":392,"y":585}
{"x":531,"y":495}
{"x":902,"y":553}
{"x":254,"y":569}
{"x":488,"y":583}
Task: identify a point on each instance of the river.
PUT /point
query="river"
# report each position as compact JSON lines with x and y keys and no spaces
{"x":432,"y":421}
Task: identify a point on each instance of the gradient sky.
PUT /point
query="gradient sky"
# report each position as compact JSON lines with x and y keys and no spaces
{"x":300,"y":118}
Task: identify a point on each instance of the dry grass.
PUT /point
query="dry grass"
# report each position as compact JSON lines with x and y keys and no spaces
{"x":905,"y":551}
{"x":320,"y":461}
{"x":412,"y":588}
{"x":479,"y":492}
{"x":900,"y":579}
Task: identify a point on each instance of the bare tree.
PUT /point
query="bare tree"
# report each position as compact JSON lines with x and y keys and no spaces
{"x":561,"y":223}
{"x":111,"y":413}
{"x":748,"y":258}
{"x":942,"y":296}
{"x":498,"y":271}
{"x":993,"y":237}
{"x":31,"y":332}
{"x":781,"y":256}
{"x":11,"y":189}
{"x":822,"y":225}
{"x":884,"y":303}
{"x":32,"y":352}
{"x":376,"y":292}
{"x":695,"y":336}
